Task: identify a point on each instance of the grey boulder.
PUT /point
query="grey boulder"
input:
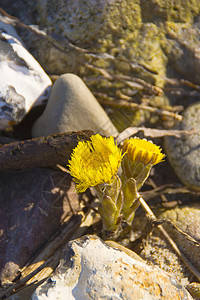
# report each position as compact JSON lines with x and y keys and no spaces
{"x":72,"y":107}
{"x":184,"y":152}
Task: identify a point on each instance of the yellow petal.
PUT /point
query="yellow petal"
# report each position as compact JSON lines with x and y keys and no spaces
{"x":94,"y":162}
{"x":143,"y":151}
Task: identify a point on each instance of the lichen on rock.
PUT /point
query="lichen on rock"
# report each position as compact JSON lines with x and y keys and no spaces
{"x":141,"y":44}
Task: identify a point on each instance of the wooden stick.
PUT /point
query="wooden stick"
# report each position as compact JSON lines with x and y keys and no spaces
{"x":41,"y":152}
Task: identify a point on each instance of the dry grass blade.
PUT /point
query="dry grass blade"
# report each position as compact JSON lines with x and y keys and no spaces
{"x":153,"y":218}
{"x":10,"y":290}
{"x":179,"y":82}
{"x":188,"y":237}
{"x":128,"y":80}
{"x":169,"y":108}
{"x":167,"y":189}
{"x":153,"y":133}
{"x":53,"y":245}
{"x":154,"y":186}
{"x":43,"y":264}
{"x":122,"y":103}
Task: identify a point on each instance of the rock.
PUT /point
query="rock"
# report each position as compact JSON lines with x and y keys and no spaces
{"x":183,"y":50}
{"x":194,"y":289}
{"x":158,"y":252}
{"x":90,"y":269}
{"x":184,"y":152}
{"x":124,"y":249}
{"x":23,"y":83}
{"x":123,"y":37}
{"x":120,"y":28}
{"x":188,"y":220}
{"x":32,"y":206}
{"x":72,"y":107}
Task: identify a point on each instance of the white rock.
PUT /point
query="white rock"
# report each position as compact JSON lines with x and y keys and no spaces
{"x":23,"y":82}
{"x":90,"y":269}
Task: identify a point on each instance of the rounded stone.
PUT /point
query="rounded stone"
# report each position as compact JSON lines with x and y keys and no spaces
{"x":184,"y":152}
{"x":72,"y":107}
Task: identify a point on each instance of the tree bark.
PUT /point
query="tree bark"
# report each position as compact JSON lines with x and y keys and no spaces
{"x":41,"y":152}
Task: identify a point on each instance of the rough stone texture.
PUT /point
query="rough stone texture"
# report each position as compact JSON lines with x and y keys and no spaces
{"x":194,"y":289}
{"x":122,"y":28}
{"x":23,"y":83}
{"x":32,"y":205}
{"x":90,"y":269}
{"x":188,"y":220}
{"x":140,"y":44}
{"x":184,"y":152}
{"x":158,"y":252}
{"x":182,"y":49}
{"x":72,"y":107}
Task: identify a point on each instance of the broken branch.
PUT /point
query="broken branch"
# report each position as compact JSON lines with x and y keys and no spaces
{"x":41,"y":152}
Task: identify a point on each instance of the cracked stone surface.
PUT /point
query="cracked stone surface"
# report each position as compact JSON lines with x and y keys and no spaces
{"x":90,"y":269}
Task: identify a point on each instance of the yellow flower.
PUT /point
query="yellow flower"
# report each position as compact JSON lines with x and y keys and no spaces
{"x":143,"y":151}
{"x":94,"y":162}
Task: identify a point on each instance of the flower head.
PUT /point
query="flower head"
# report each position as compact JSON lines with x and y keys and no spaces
{"x":143,"y":151}
{"x":94,"y":162}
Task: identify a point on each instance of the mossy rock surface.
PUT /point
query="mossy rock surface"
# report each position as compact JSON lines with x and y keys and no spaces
{"x":149,"y":40}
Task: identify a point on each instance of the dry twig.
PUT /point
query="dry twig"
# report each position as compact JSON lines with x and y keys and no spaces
{"x":162,"y":196}
{"x":147,"y":87}
{"x":152,"y":132}
{"x":21,"y":283}
{"x":168,"y":189}
{"x":56,"y":149}
{"x":54,"y":39}
{"x":44,"y":263}
{"x":41,"y":152}
{"x":46,"y":260}
{"x":188,"y":237}
{"x":153,"y":218}
{"x":122,"y":103}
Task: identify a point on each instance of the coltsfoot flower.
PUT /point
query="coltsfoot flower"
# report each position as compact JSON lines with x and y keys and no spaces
{"x":143,"y":151}
{"x":94,"y":162}
{"x":140,"y":156}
